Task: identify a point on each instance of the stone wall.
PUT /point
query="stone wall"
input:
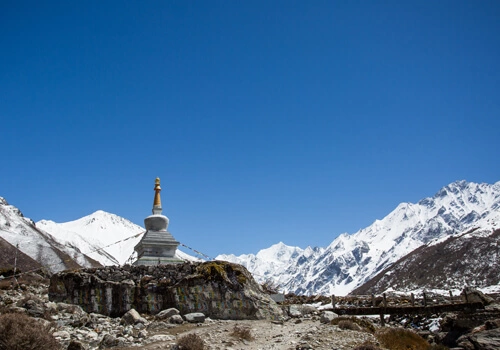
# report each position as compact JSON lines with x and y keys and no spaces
{"x":219,"y":289}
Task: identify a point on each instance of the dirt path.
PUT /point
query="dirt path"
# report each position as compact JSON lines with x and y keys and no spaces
{"x":292,"y":334}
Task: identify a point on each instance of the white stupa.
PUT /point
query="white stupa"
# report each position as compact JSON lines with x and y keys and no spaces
{"x":157,"y":246}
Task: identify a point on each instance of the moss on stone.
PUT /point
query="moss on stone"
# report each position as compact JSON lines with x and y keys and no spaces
{"x":223,"y":271}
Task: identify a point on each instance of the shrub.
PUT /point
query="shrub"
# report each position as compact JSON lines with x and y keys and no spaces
{"x":364,"y":324}
{"x":190,"y":341}
{"x":367,"y":346}
{"x":401,"y":339}
{"x":438,"y":347}
{"x":348,"y":324}
{"x":242,"y":332}
{"x":21,"y":332}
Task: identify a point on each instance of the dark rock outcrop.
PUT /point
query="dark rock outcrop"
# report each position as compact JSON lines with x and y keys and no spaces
{"x":218,"y":289}
{"x":485,"y":340}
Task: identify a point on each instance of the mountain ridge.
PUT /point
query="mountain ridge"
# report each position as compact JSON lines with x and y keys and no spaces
{"x":343,"y":266}
{"x":353,"y":259}
{"x":22,"y":233}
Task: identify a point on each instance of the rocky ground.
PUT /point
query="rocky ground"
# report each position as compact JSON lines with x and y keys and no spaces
{"x":306,"y":333}
{"x":94,"y":331}
{"x":302,"y":327}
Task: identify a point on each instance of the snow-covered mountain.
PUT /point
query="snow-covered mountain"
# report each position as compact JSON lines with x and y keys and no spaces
{"x":107,"y":238}
{"x":95,"y":231}
{"x":98,"y":239}
{"x":469,"y":259}
{"x":21,"y":232}
{"x":351,"y":260}
{"x":270,"y":265}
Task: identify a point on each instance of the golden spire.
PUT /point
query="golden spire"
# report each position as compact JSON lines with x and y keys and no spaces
{"x":157,"y":200}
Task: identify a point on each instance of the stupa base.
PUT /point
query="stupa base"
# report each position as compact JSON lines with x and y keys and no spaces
{"x":156,"y":260}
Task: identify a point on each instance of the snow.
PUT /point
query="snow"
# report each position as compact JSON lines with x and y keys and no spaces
{"x":97,"y":230}
{"x":105,"y":237}
{"x":20,"y":231}
{"x":352,"y":259}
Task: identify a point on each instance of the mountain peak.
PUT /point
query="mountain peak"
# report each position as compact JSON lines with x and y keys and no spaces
{"x":278,"y":252}
{"x":459,"y":183}
{"x":352,"y":259}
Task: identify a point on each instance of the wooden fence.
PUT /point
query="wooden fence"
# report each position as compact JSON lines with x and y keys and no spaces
{"x":425,"y":305}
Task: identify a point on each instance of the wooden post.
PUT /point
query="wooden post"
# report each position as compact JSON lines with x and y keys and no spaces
{"x":451,"y":297}
{"x":425,"y":299}
{"x":385,"y":300}
{"x":412,"y":299}
{"x":334,"y":301}
{"x":382,"y":319}
{"x":373,"y":300}
{"x":466,"y":296}
{"x":15,"y":283}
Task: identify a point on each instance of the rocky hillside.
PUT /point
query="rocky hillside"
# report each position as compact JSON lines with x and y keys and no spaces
{"x":470,"y":259}
{"x":353,"y":259}
{"x":11,"y":257}
{"x":37,"y":244}
{"x":98,"y":239}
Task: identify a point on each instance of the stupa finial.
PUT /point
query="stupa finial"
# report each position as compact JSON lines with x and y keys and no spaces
{"x":157,"y":201}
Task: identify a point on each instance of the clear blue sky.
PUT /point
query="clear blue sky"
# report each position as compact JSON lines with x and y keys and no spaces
{"x":266,"y":121}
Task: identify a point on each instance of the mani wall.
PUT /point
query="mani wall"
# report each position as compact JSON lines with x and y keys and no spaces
{"x":219,"y":289}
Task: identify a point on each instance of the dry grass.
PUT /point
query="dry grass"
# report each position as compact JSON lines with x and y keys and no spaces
{"x":367,"y":346}
{"x":242,"y":332}
{"x":190,"y":341}
{"x":438,"y":347}
{"x":347,"y":324}
{"x":401,"y":339}
{"x":354,"y":323}
{"x":21,"y":332}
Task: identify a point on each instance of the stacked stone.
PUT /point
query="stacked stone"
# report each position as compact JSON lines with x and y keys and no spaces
{"x":218,"y":289}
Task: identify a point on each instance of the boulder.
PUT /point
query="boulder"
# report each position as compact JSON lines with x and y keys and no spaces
{"x":61,"y":334}
{"x":76,"y":345}
{"x":109,"y":341}
{"x":492,"y":324}
{"x":471,"y":295}
{"x":34,"y":308}
{"x":328,"y":316}
{"x":195,"y":317}
{"x":294,"y":311}
{"x":165,"y":314}
{"x":485,"y":340}
{"x":132,"y":317}
{"x":176,"y":319}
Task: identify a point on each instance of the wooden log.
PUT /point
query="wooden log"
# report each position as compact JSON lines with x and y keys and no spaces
{"x":408,"y":310}
{"x":382,"y":320}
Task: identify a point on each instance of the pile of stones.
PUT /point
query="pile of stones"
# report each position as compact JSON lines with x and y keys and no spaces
{"x":77,"y":329}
